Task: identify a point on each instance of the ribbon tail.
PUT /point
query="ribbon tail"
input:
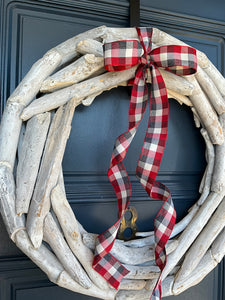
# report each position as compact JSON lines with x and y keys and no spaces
{"x":104,"y":262}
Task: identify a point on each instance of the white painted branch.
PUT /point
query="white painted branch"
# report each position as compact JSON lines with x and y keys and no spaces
{"x":134,"y":295}
{"x":67,"y":282}
{"x":142,"y":272}
{"x":30,"y":85}
{"x":67,"y":49}
{"x":132,"y":284}
{"x":167,"y":286}
{"x":90,"y":46}
{"x":192,"y":230}
{"x":218,"y":249}
{"x":179,"y":97}
{"x":202,"y":184}
{"x":29,"y":160}
{"x":70,"y":229}
{"x":206,"y":265}
{"x":12,"y":221}
{"x":42,"y":257}
{"x":206,"y":113}
{"x":135,"y":256}
{"x":211,"y":91}
{"x":203,"y":242}
{"x":49,"y":171}
{"x":218,"y":179}
{"x":216,"y":77}
{"x":210,"y":156}
{"x":20,"y":142}
{"x":196,"y":117}
{"x":10,"y":132}
{"x":89,"y":100}
{"x":79,"y":70}
{"x":54,"y":237}
{"x":61,"y":181}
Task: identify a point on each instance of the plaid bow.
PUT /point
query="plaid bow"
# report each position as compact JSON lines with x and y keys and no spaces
{"x":121,"y":55}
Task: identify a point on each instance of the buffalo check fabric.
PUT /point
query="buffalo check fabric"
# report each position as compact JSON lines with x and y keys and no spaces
{"x":118,"y":56}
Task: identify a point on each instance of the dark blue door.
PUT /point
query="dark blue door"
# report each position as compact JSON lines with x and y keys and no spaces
{"x":28,"y":29}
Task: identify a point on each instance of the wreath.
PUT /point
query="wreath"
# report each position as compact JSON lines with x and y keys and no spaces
{"x":33,"y":200}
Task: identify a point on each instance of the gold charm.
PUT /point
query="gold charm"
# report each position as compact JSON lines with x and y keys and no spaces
{"x":128,"y":227}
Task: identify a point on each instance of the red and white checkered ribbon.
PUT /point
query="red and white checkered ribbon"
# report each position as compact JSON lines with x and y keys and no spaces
{"x":121,"y":55}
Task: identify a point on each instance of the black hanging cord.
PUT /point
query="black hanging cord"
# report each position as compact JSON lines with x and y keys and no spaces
{"x":134,"y":13}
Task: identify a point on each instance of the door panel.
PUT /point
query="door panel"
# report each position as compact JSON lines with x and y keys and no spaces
{"x":28,"y":30}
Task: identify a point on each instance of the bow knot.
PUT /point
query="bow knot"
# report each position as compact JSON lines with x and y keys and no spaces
{"x":122,"y":55}
{"x":144,"y":60}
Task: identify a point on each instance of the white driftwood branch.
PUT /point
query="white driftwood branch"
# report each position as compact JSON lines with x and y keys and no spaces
{"x":30,"y":85}
{"x":203,"y":242}
{"x":206,"y":113}
{"x":167,"y":286}
{"x":216,"y":77}
{"x":78,"y":71}
{"x":71,"y":232}
{"x":175,"y":286}
{"x":135,"y":256}
{"x":218,"y":179}
{"x":142,"y":272}
{"x":132,"y":284}
{"x":196,"y":117}
{"x":206,"y":265}
{"x":53,"y":236}
{"x":88,"y":101}
{"x":29,"y":160}
{"x":10,"y":132}
{"x":134,"y":295}
{"x":179,"y":97}
{"x":218,"y":249}
{"x":211,"y":90}
{"x":68,"y":50}
{"x":65,"y":281}
{"x":12,"y":221}
{"x":192,"y":230}
{"x":61,"y":182}
{"x":42,"y":257}
{"x":49,"y":172}
{"x":205,"y":185}
{"x":90,"y":46}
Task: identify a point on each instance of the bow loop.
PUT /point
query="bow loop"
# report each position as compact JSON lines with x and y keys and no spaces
{"x":180,"y":60}
{"x":122,"y":55}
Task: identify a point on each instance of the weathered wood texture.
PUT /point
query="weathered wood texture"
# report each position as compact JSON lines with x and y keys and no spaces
{"x":29,"y":160}
{"x":49,"y":172}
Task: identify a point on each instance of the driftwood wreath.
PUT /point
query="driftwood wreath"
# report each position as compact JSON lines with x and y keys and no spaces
{"x":38,"y":136}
